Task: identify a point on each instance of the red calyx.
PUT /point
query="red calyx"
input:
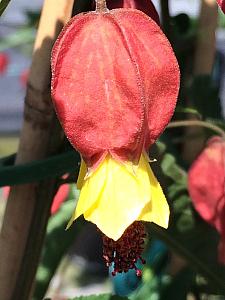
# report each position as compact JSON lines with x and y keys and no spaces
{"x":206,"y":179}
{"x":115,"y":83}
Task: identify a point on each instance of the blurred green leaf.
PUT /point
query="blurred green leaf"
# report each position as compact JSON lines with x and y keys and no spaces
{"x":180,"y":203}
{"x":51,"y":167}
{"x":20,"y":37}
{"x":177,"y":189}
{"x":172,"y":170}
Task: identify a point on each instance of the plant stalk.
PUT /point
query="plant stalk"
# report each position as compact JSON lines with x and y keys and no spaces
{"x":28,"y":206}
{"x":188,"y":123}
{"x":101,"y":6}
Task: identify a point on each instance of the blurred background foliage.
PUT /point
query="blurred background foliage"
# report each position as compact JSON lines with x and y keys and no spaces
{"x":182,"y":262}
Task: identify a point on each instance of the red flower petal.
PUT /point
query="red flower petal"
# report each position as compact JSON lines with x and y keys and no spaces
{"x":206,"y":180}
{"x":60,"y":197}
{"x":222,"y":4}
{"x":115,"y":83}
{"x":4,"y":62}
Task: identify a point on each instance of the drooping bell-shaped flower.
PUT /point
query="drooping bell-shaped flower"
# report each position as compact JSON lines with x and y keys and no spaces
{"x":222,"y":4}
{"x":206,"y":185}
{"x":114,"y":86}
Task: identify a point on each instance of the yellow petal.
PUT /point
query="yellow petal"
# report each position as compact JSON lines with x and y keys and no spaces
{"x":82,"y":173}
{"x":115,"y":195}
{"x":156,"y":210}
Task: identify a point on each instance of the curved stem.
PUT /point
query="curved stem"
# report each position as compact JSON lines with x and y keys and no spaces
{"x":101,"y":6}
{"x":208,"y":125}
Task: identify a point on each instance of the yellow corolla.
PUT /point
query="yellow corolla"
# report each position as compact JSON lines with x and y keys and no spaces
{"x":117,"y":194}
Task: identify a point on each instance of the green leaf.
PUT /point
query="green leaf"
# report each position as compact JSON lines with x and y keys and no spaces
{"x":177,"y":189}
{"x":101,"y":297}
{"x":172,"y":170}
{"x":20,"y":37}
{"x":51,"y":167}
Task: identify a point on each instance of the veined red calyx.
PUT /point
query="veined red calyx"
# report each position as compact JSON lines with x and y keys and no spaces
{"x":115,"y":83}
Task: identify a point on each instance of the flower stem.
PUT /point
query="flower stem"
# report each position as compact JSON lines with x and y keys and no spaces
{"x":208,"y":125}
{"x":101,"y":6}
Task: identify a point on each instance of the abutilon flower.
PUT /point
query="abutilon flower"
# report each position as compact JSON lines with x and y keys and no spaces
{"x":114,"y":86}
{"x":221,"y":3}
{"x":206,"y":185}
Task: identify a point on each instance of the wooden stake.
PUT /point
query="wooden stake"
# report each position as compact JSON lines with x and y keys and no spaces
{"x":206,"y":41}
{"x":28,"y":206}
{"x":203,"y":64}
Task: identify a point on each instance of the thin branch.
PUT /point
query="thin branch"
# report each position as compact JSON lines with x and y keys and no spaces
{"x":101,"y":6}
{"x":188,"y":123}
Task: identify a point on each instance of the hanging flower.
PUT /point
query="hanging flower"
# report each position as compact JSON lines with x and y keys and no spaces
{"x":206,"y":184}
{"x":222,"y":4}
{"x":115,"y":84}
